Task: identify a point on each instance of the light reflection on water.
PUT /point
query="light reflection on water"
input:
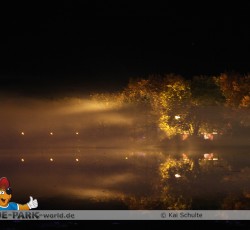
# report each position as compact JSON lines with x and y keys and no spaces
{"x":96,"y":174}
{"x":129,"y":176}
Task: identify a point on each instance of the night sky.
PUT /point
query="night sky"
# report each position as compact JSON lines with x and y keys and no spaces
{"x":73,"y":47}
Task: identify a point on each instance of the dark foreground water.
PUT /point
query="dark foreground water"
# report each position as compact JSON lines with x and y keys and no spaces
{"x":120,"y":178}
{"x":75,"y":178}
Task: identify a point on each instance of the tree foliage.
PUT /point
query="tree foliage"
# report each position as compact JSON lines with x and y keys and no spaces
{"x":179,"y":106}
{"x":235,"y":88}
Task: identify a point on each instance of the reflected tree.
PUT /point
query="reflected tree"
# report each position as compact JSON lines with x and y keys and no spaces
{"x":195,"y":185}
{"x":239,"y":196}
{"x":182,"y":185}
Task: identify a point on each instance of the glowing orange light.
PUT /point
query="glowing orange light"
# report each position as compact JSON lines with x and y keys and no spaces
{"x":22,"y":133}
{"x":51,"y":159}
{"x":22,"y":160}
{"x":184,"y":156}
{"x":177,"y":117}
{"x":77,"y":159}
{"x":77,"y":133}
{"x":208,"y":156}
{"x":51,"y":133}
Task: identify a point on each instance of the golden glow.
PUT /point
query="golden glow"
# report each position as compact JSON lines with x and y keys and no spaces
{"x":51,"y":159}
{"x":184,"y":136}
{"x":171,"y":165}
{"x":177,"y":175}
{"x":77,"y":133}
{"x":51,"y":133}
{"x":126,"y":158}
{"x":93,"y":193}
{"x":22,"y":160}
{"x":208,"y":136}
{"x":22,"y":133}
{"x":77,"y":159}
{"x":184,"y":156}
{"x":208,"y":156}
{"x":177,"y":117}
{"x":81,"y":105}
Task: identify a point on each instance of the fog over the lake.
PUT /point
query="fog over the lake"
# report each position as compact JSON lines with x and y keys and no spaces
{"x":51,"y":141}
{"x":64,"y":119}
{"x":69,"y":151}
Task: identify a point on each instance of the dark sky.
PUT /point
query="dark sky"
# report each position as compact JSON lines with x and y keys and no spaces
{"x":76,"y":47}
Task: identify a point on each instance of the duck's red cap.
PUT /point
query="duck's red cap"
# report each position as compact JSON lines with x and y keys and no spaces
{"x":4,"y":183}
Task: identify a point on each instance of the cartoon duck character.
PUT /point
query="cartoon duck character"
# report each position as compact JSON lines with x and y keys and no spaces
{"x":5,"y":197}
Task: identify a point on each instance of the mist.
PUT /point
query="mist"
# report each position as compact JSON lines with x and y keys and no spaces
{"x":37,"y":121}
{"x":76,"y":153}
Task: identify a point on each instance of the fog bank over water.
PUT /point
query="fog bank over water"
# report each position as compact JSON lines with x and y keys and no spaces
{"x":64,"y":119}
{"x":78,"y":153}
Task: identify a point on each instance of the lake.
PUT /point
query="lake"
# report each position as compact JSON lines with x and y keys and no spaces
{"x":75,"y":178}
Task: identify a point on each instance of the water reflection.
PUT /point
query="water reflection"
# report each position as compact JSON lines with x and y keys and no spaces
{"x":137,"y":179}
{"x":83,"y":174}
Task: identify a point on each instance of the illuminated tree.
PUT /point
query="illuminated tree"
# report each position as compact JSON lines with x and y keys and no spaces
{"x":114,"y":100}
{"x":166,"y":96}
{"x":183,"y":106}
{"x":138,"y":96}
{"x":137,"y":92}
{"x":188,"y":106}
{"x":206,"y":105}
{"x":171,"y":104}
{"x":180,"y":106}
{"x":168,"y":105}
{"x":245,"y":102}
{"x":236,"y":90}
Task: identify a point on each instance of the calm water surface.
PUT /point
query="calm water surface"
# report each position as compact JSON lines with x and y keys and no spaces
{"x":120,"y":178}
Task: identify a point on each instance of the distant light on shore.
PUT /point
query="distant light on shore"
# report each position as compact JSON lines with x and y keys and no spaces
{"x":177,"y":175}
